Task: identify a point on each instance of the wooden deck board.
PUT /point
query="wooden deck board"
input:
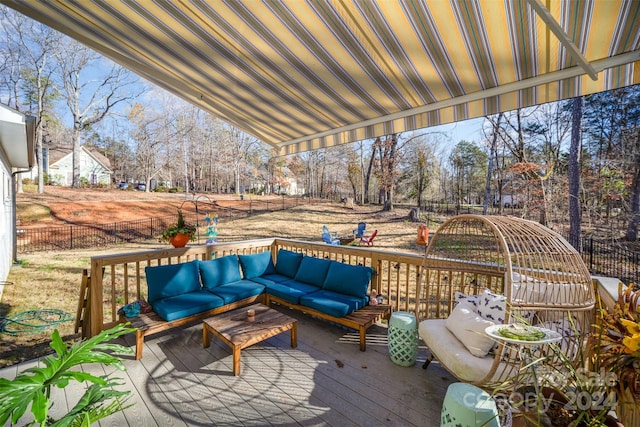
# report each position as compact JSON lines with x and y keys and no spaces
{"x":179,"y":383}
{"x":227,"y":393}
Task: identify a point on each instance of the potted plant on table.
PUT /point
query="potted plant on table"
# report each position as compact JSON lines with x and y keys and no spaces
{"x":180,"y":233}
{"x":550,"y":390}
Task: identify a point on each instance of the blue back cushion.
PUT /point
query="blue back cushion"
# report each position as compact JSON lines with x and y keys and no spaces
{"x":257,"y":265}
{"x":219,"y":271}
{"x":288,"y":262}
{"x":348,"y":279}
{"x":313,"y":271}
{"x":169,"y":280}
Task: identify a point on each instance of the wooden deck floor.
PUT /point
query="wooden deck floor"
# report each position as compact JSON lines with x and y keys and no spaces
{"x":326,"y":380}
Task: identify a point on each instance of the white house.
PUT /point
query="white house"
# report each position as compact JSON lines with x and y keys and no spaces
{"x":509,"y":200}
{"x":287,"y":183}
{"x":17,"y":135}
{"x":95,"y":167}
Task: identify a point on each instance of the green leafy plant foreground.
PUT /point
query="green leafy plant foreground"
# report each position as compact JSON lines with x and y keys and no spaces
{"x":32,"y":388}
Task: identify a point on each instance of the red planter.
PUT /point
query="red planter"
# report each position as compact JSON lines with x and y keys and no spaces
{"x":180,"y":240}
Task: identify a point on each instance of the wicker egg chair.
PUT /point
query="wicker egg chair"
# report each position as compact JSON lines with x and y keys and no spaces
{"x":542,"y":277}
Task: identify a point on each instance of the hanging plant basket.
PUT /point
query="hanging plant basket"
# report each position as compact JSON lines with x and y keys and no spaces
{"x":180,"y":233}
{"x":180,"y":240}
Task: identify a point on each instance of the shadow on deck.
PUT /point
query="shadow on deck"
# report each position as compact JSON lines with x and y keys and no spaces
{"x":326,"y":380}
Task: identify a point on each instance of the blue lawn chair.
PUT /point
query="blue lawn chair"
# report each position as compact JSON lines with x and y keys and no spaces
{"x":328,"y":240}
{"x":328,"y":237}
{"x":359,"y":232}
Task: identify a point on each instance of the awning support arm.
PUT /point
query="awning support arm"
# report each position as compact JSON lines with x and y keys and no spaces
{"x":565,"y":41}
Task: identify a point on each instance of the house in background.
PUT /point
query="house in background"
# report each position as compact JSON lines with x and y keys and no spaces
{"x":509,"y":201}
{"x":58,"y":161}
{"x":17,"y":135}
{"x":285,"y":182}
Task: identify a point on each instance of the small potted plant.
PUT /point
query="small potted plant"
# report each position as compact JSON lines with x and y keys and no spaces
{"x":180,"y":233}
{"x":550,"y":390}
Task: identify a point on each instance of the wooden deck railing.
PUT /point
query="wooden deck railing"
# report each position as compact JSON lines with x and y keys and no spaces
{"x":116,"y":280}
{"x":119,"y":279}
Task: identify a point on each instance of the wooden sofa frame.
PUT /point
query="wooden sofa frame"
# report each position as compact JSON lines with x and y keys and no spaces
{"x":150,"y":323}
{"x":359,"y":320}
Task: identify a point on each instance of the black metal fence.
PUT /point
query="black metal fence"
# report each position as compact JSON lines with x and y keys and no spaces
{"x":90,"y":236}
{"x":100,"y":235}
{"x":606,"y":259}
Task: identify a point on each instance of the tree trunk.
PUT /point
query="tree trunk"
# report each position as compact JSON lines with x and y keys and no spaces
{"x":40,"y":137}
{"x":75,"y":182}
{"x":369,"y":172}
{"x":361,"y":173}
{"x":575,"y":214}
{"x":391,"y":161}
{"x":493,"y":153}
{"x":634,"y":200}
{"x":414,"y":215}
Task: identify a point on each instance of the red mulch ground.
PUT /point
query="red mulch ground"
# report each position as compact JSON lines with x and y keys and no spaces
{"x":96,"y":206}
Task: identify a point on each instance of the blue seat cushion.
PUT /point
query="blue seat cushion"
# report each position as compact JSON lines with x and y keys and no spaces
{"x":220,"y":271}
{"x":270,"y":279}
{"x":256,"y":265}
{"x":332,"y":303}
{"x":313,"y":271}
{"x":288,"y":262}
{"x":179,"y":306}
{"x":168,"y":280}
{"x":291,"y":290}
{"x":348,"y":279}
{"x":236,"y":291}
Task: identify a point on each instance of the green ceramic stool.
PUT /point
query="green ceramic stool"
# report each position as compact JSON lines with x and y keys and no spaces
{"x":469,"y":406}
{"x":403,"y":338}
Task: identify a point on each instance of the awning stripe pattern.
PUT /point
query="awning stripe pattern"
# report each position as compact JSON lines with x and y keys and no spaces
{"x":302,"y":75}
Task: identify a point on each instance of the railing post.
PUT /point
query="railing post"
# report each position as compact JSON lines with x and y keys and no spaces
{"x":95,"y":301}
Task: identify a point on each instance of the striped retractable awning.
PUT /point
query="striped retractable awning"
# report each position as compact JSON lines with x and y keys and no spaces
{"x":301,"y":75}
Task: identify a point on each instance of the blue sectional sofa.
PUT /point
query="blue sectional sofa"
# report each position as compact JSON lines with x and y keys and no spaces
{"x":184,"y":292}
{"x":330,"y":287}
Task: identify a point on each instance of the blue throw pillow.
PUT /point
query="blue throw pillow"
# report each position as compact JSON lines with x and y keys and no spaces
{"x":219,"y":271}
{"x":169,"y":280}
{"x":313,"y":271}
{"x":288,"y":262}
{"x":348,"y":279}
{"x":257,"y":265}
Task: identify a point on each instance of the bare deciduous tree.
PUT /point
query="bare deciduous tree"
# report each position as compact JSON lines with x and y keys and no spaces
{"x":575,"y":216}
{"x":28,"y":66}
{"x":492,"y":163}
{"x":89,"y":92}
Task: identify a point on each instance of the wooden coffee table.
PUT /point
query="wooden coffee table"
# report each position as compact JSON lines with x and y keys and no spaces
{"x":237,"y":332}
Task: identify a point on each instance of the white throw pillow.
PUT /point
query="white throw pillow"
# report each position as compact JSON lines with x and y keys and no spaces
{"x":492,"y":306}
{"x":469,"y":328}
{"x":473,"y":300}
